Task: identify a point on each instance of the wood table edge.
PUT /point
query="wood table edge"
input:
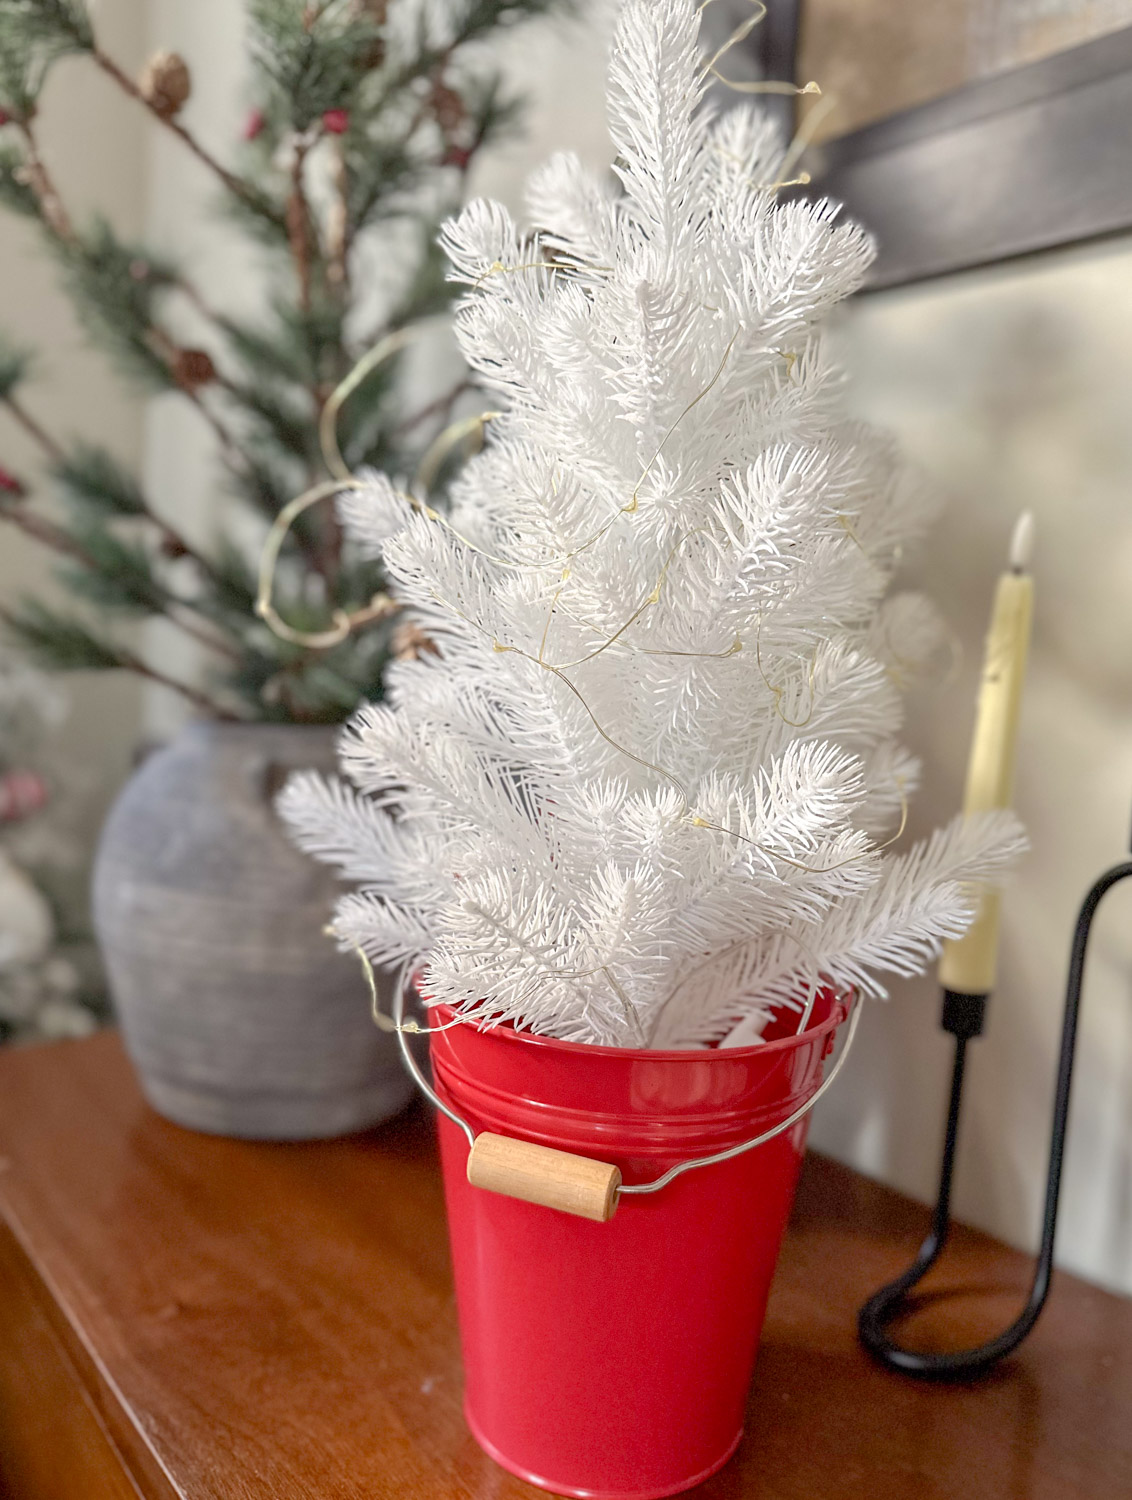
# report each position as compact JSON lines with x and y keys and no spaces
{"x":139,"y":1460}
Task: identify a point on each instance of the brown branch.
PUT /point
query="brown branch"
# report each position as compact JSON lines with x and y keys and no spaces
{"x":178,"y":545}
{"x":47,"y":195}
{"x":302,"y":238}
{"x":299,"y":226}
{"x":203,"y":637}
{"x":174,"y":540}
{"x":33,"y":428}
{"x":442,"y":405}
{"x":223,"y":436}
{"x":234,"y":184}
{"x":47,"y":534}
{"x":129,"y":662}
{"x":338,"y":236}
{"x":58,"y":221}
{"x":196,"y":301}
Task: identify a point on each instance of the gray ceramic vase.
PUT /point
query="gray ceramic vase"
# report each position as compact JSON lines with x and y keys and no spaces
{"x":236,"y":1009}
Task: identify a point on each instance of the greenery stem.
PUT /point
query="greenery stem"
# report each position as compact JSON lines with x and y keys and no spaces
{"x":51,"y":205}
{"x":60,"y":541}
{"x":442,"y":406}
{"x":299,"y":226}
{"x":46,"y":533}
{"x":132,"y":663}
{"x":203,"y":637}
{"x":234,"y":184}
{"x":31,"y":426}
{"x":129,"y":661}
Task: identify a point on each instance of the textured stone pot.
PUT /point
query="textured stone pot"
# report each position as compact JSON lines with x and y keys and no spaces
{"x":239,"y":1014}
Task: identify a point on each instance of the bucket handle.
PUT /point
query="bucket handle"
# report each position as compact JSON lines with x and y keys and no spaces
{"x":579,"y":1184}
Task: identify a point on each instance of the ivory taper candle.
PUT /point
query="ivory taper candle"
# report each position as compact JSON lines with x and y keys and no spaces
{"x":968,"y":963}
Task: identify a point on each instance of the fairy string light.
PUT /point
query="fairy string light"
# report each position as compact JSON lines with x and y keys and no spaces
{"x":344,"y":622}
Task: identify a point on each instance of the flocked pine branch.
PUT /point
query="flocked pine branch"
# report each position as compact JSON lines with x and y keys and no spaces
{"x":645,"y":789}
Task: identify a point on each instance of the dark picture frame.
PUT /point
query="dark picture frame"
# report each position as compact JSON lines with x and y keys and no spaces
{"x":1030,"y":159}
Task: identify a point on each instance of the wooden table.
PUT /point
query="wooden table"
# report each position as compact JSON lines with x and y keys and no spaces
{"x":189,"y":1316}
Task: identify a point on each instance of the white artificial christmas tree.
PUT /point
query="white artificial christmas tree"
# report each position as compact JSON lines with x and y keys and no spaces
{"x":642,"y":792}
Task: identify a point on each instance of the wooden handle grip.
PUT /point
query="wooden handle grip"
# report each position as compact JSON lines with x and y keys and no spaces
{"x":538,"y":1174}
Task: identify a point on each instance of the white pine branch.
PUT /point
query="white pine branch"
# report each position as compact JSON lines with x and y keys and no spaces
{"x":643,"y":793}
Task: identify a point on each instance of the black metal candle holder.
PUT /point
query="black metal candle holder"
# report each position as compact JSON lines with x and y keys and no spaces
{"x":963,"y":1016}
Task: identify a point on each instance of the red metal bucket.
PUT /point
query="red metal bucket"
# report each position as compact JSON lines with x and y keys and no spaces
{"x":613,"y":1360}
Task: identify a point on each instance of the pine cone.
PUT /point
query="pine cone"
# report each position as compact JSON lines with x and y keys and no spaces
{"x":447,"y":107}
{"x":21,"y":794}
{"x":166,"y":83}
{"x":192,"y":367}
{"x":410,"y":643}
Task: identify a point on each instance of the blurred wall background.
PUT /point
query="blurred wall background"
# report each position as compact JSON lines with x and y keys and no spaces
{"x":1010,"y":388}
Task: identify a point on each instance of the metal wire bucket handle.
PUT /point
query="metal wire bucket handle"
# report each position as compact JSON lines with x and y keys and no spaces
{"x":579,"y":1184}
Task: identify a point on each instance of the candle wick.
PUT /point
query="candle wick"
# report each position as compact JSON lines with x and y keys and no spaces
{"x":1022,"y":543}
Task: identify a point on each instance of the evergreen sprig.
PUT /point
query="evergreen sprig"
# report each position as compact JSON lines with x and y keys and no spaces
{"x":367,"y":116}
{"x":16,"y":194}
{"x":61,"y":642}
{"x":117,"y":289}
{"x":22,"y":69}
{"x":15,"y":363}
{"x":93,"y":480}
{"x":115,"y":572}
{"x":311,"y":58}
{"x":56,"y":26}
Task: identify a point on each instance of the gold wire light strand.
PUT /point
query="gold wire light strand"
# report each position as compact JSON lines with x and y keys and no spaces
{"x":778,"y":693}
{"x":767,"y":86}
{"x":652,"y":597}
{"x":497,"y":268}
{"x":631,"y":1012}
{"x":802,"y":138}
{"x":383,"y":350}
{"x":740,"y":34}
{"x":381,"y":1020}
{"x":695,"y":401}
{"x":695,"y":819}
{"x":631,"y":507}
{"x":450,"y":438}
{"x":380,"y":606}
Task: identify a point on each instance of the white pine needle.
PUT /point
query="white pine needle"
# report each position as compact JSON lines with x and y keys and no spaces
{"x":644,"y":792}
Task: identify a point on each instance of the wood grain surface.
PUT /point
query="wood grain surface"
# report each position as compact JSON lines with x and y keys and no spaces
{"x":275,"y":1322}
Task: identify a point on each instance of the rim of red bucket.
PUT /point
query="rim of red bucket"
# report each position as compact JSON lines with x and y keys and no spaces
{"x":838,"y":1012}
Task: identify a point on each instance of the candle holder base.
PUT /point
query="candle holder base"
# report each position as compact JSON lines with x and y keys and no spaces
{"x":964,"y":1016}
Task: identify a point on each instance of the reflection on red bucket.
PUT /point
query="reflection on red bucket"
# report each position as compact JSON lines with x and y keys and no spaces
{"x":614,"y":1359}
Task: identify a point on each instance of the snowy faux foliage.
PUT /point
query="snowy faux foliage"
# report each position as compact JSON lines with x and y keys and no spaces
{"x":643,"y":791}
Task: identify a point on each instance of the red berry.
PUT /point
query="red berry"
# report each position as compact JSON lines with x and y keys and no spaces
{"x":336,"y":121}
{"x":456,"y":156}
{"x":5,"y":117}
{"x":21,"y":794}
{"x":253,"y":125}
{"x":9,"y":484}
